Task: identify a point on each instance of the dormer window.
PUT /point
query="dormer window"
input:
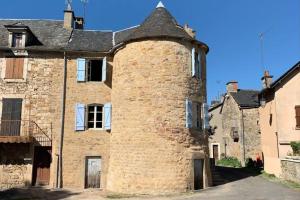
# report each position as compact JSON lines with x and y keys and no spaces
{"x":17,"y":40}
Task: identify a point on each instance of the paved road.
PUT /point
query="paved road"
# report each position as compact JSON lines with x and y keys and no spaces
{"x":242,"y":187}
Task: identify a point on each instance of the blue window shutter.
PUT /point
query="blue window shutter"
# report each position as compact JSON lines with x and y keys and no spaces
{"x":80,"y":69}
{"x":200,"y":64}
{"x":80,"y":117}
{"x":189,"y":113}
{"x":104,"y":69}
{"x":205,"y":117}
{"x":193,"y":62}
{"x":107,"y":116}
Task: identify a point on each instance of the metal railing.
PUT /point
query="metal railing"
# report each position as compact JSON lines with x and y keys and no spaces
{"x":24,"y":128}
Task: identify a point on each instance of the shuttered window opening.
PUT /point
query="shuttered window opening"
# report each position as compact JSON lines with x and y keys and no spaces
{"x":193,"y":114}
{"x":93,"y":116}
{"x":91,"y":70}
{"x":14,"y":68}
{"x":297,"y":110}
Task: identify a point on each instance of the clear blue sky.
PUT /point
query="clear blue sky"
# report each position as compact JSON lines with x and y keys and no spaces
{"x":230,"y":28}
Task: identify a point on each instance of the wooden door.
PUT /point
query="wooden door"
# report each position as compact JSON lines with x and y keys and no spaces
{"x":198,"y":174}
{"x":216,"y":152}
{"x":93,"y":172}
{"x":11,"y":117}
{"x":41,"y":168}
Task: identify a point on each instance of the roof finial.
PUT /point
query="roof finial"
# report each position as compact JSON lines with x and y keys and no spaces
{"x":160,"y":5}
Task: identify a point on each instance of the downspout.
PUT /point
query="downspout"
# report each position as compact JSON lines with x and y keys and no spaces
{"x":63,"y":105}
{"x":243,"y":138}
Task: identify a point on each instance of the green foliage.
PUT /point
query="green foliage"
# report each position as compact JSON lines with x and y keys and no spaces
{"x":296,"y":147}
{"x":229,"y":162}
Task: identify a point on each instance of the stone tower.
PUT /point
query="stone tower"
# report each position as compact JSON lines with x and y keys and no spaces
{"x":153,"y":148}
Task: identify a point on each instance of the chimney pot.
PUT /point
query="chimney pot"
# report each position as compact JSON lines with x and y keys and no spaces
{"x":232,"y":86}
{"x":68,"y":18}
{"x":266,"y":80}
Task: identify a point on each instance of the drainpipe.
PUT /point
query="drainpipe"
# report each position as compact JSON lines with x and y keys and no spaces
{"x":243,"y":138}
{"x":63,"y":105}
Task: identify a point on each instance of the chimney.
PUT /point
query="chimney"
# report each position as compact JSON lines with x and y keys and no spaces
{"x":69,"y":17}
{"x":79,"y":22}
{"x":266,"y":80}
{"x":190,"y":31}
{"x":232,"y":86}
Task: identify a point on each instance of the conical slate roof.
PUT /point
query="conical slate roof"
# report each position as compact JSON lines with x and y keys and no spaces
{"x":160,"y":23}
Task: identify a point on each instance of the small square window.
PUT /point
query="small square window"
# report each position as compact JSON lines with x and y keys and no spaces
{"x":17,"y":39}
{"x":94,"y":72}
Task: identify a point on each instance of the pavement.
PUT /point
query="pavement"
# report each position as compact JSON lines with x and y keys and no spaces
{"x":238,"y":186}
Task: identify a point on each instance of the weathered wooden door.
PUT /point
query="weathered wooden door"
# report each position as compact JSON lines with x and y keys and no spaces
{"x":11,"y":117}
{"x":93,"y":172}
{"x":216,"y":152}
{"x":41,"y":168}
{"x":198,"y":174}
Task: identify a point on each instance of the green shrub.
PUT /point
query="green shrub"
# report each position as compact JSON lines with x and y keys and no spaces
{"x":229,"y":162}
{"x":296,"y":147}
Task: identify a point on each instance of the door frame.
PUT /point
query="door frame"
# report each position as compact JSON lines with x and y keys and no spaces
{"x":86,"y":170}
{"x":34,"y":168}
{"x":203,"y":174}
{"x":212,"y":150}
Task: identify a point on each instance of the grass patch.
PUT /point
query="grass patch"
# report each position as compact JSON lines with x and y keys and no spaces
{"x":229,"y":162}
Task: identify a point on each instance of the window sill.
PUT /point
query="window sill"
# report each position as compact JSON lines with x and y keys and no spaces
{"x":297,"y":128}
{"x":14,"y":80}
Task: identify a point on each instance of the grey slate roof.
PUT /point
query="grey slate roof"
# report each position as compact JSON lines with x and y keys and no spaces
{"x":50,"y":33}
{"x":160,"y":23}
{"x":246,"y":98}
{"x":90,"y":41}
{"x":53,"y":36}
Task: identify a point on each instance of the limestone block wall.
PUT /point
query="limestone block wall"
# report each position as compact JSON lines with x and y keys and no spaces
{"x":14,"y":170}
{"x":80,"y":144}
{"x":246,"y":120}
{"x":151,"y":150}
{"x":231,"y":117}
{"x":41,"y":93}
{"x":291,"y":169}
{"x":252,"y":133}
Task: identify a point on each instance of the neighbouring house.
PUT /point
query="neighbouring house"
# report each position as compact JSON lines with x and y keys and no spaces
{"x":280,"y":123}
{"x":123,"y":111}
{"x":235,"y":125}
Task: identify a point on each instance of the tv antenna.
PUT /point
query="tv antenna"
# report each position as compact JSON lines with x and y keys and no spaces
{"x":84,"y":2}
{"x":261,"y":38}
{"x":69,"y":4}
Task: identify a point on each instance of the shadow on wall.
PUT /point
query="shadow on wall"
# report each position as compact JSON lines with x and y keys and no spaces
{"x":35,"y":193}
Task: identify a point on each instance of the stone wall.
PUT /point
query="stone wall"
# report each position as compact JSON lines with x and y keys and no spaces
{"x":290,"y":170}
{"x":151,"y":151}
{"x":231,"y":117}
{"x":246,"y":120}
{"x":41,"y":91}
{"x":80,"y":144}
{"x":15,"y":171}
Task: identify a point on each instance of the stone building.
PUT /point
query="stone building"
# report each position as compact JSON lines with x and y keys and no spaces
{"x":280,"y":123}
{"x":123,"y":111}
{"x":235,"y":123}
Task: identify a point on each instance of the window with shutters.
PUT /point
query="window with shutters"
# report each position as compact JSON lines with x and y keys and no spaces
{"x":14,"y":68}
{"x":91,"y":70}
{"x":95,"y":116}
{"x":297,"y":110}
